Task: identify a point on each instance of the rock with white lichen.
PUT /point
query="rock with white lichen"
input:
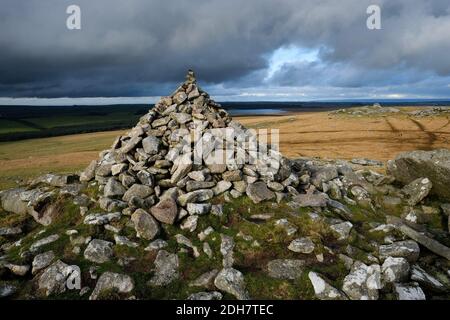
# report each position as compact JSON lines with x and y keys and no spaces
{"x":323,"y":290}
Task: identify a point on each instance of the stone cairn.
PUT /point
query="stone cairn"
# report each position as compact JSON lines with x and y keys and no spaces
{"x":159,"y":168}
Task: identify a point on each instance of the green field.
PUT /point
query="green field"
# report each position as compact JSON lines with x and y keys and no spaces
{"x":12,"y":126}
{"x":67,"y":121}
{"x":24,"y":122}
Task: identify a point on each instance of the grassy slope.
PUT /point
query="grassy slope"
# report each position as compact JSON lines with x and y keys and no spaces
{"x":250,"y":259}
{"x":28,"y":158}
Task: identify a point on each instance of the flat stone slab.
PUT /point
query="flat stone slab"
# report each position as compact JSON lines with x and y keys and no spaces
{"x":427,"y":242}
{"x":285,"y":268}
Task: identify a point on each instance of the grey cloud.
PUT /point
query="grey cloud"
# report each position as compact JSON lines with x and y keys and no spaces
{"x":141,"y":47}
{"x":345,"y":75}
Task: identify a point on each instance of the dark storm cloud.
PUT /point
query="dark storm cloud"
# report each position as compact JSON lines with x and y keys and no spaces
{"x":141,"y":47}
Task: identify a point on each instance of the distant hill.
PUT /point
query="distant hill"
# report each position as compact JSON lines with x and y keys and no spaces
{"x":25,"y":122}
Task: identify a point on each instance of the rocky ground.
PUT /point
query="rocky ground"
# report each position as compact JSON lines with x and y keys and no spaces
{"x":147,"y":221}
{"x":377,"y":110}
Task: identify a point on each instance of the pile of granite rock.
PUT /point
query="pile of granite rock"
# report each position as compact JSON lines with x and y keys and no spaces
{"x":181,"y":154}
{"x":379,"y":110}
{"x":375,"y":109}
{"x":430,"y":112}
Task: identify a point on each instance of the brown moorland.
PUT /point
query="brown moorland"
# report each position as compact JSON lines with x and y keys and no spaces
{"x":348,"y":137}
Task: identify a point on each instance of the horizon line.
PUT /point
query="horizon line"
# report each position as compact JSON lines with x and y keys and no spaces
{"x":88,"y":101}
